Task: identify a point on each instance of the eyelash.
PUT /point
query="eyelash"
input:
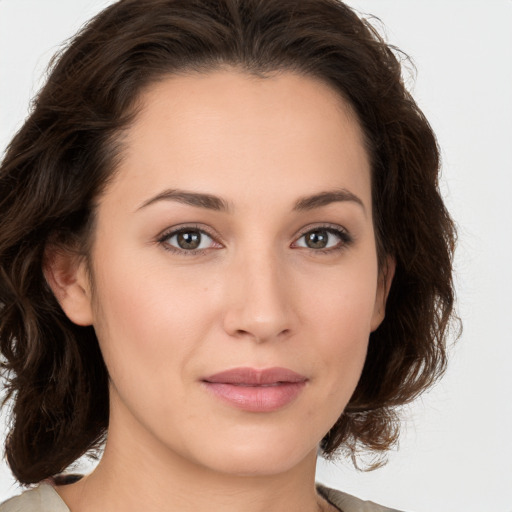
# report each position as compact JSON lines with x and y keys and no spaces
{"x":346,"y":240}
{"x":162,"y":240}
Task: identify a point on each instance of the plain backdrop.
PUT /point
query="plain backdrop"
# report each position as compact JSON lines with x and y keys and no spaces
{"x":455,"y":454}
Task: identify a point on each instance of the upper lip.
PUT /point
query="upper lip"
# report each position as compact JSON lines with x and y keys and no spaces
{"x":256,"y":377}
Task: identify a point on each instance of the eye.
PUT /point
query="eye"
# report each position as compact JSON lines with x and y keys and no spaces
{"x":324,"y":238}
{"x":188,"y":240}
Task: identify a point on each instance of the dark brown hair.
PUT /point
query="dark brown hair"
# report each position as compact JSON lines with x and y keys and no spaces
{"x":58,"y":163}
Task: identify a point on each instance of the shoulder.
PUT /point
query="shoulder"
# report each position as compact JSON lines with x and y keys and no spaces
{"x":348,"y":503}
{"x":42,"y":498}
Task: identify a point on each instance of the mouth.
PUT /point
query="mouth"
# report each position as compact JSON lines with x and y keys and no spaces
{"x":255,"y":390}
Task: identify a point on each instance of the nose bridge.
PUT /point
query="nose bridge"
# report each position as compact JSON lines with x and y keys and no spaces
{"x":260,"y":305}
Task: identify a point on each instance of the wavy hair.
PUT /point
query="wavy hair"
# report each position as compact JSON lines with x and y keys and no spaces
{"x":58,"y":163}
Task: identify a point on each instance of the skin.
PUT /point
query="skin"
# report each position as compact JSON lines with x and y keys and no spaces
{"x":255,"y":294}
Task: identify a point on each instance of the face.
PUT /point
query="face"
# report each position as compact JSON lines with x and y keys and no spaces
{"x":234,"y":269}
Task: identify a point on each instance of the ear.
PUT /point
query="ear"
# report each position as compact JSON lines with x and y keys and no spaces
{"x":386,"y":274}
{"x":66,"y":274}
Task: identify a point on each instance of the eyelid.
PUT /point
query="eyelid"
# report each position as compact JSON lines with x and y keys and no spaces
{"x":321,"y":225}
{"x":174,"y":230}
{"x":346,"y":238}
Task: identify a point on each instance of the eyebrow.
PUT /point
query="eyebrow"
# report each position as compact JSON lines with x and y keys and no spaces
{"x":211,"y":202}
{"x":326,"y":198}
{"x":208,"y":201}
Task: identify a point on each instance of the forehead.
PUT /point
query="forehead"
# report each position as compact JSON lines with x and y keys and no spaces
{"x":229,"y":94}
{"x":224,"y":128}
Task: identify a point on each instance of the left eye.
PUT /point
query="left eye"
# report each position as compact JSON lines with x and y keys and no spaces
{"x":321,"y":238}
{"x":189,"y":240}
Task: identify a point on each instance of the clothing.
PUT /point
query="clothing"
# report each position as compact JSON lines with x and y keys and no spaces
{"x":44,"y":498}
{"x":346,"y":502}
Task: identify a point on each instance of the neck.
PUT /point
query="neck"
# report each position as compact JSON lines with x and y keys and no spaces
{"x":136,"y":473}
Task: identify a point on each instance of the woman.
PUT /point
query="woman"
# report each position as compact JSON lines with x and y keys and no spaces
{"x":222,"y":249}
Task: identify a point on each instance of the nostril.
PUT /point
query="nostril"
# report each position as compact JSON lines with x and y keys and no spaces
{"x":243,"y":333}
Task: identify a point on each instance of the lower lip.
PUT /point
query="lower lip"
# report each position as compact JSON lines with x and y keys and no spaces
{"x":257,"y":398}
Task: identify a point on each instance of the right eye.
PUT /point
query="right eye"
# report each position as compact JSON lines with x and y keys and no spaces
{"x":188,"y":240}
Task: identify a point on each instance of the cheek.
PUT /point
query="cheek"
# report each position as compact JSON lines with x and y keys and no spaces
{"x":343,"y":302}
{"x":147,"y":321}
{"x":341,"y":315}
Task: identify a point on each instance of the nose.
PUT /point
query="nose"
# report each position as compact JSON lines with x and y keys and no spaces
{"x":259,"y":303}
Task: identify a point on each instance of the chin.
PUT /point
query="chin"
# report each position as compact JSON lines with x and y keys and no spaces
{"x":257,"y":457}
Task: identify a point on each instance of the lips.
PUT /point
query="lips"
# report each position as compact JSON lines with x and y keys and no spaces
{"x":255,"y":390}
{"x":252,"y":377}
